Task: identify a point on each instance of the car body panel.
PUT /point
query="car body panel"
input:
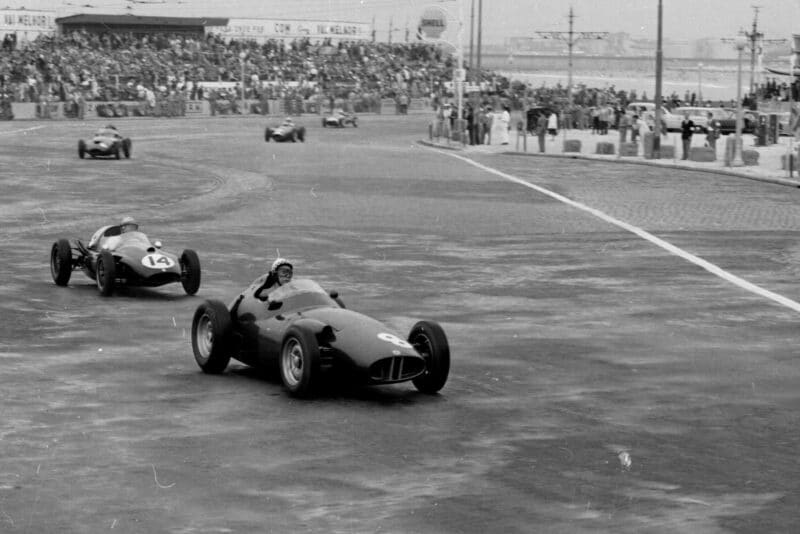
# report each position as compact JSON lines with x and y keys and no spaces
{"x":340,"y":119}
{"x":138,"y":261}
{"x":106,"y":142}
{"x":286,"y":131}
{"x":349,"y":341}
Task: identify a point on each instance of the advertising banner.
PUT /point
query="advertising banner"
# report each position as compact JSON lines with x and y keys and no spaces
{"x":264,"y":29}
{"x":26,"y":24}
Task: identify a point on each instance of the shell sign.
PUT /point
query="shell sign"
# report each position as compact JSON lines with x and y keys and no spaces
{"x":432,"y":23}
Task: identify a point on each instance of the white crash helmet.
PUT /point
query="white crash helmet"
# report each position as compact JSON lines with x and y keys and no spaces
{"x":280,"y":262}
{"x":129,"y":224}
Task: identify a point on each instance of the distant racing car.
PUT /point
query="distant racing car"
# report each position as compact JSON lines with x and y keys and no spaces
{"x":114,"y":259}
{"x":307,"y":334}
{"x":106,"y":142}
{"x":287,"y":131}
{"x":340,"y":119}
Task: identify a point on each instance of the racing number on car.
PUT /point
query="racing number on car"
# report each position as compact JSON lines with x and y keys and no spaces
{"x":393,"y":339}
{"x":157,"y":261}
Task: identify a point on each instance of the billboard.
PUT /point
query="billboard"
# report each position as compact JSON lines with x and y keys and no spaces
{"x":264,"y":29}
{"x":27,"y":24}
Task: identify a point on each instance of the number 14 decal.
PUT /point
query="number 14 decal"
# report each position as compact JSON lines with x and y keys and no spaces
{"x":157,"y":261}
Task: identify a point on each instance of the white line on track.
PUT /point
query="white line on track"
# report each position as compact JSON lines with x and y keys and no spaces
{"x":22,"y":130}
{"x":669,"y":247}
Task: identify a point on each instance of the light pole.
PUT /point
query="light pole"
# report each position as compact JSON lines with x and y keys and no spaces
{"x":740,"y":42}
{"x":242,"y":56}
{"x":700,"y":83}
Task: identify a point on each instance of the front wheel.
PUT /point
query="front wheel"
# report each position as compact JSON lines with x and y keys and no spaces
{"x":127,"y":148}
{"x":301,"y":134}
{"x":267,"y":134}
{"x":430,"y":342}
{"x":211,"y":329}
{"x":106,"y":273}
{"x":61,"y":262}
{"x":299,"y":362}
{"x":190,"y":271}
{"x":81,"y":149}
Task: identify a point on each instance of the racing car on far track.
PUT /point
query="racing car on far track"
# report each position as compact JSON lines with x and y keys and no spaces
{"x":307,"y":335}
{"x":287,"y":131}
{"x":113,"y":258}
{"x":339,"y":119}
{"x":106,"y":142}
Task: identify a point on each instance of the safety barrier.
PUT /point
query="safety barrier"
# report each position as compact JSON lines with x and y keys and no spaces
{"x":200,"y":108}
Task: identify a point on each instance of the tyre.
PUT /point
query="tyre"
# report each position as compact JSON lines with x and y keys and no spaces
{"x":293,"y":137}
{"x":81,"y":149}
{"x":355,"y":123}
{"x":127,"y":148}
{"x":106,"y":273}
{"x":429,"y":340}
{"x":190,"y":271}
{"x":301,"y":134}
{"x":267,"y":134}
{"x":211,"y":329}
{"x":61,"y":262}
{"x":324,"y":123}
{"x":299,"y":362}
{"x":116,"y":151}
{"x":341,"y":123}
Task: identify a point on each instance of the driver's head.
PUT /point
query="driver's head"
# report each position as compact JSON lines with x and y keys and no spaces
{"x":128,"y":224}
{"x":282,"y":270}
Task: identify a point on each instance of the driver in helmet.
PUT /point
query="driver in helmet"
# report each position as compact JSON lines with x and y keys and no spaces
{"x":110,"y":242}
{"x":128,"y":224}
{"x":279,"y":274}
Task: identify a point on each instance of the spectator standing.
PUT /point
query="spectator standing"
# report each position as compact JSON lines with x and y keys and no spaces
{"x":624,"y":125}
{"x":687,"y":129}
{"x":712,"y":133}
{"x":552,"y":125}
{"x":541,"y":131}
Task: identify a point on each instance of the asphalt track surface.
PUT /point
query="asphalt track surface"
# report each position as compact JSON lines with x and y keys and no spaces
{"x":599,"y":382}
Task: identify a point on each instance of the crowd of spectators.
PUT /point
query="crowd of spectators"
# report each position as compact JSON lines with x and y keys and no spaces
{"x":113,"y":67}
{"x":163,"y":71}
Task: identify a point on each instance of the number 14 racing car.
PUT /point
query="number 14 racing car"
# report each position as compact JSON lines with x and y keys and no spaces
{"x":115,"y":258}
{"x":307,"y":335}
{"x":339,"y":119}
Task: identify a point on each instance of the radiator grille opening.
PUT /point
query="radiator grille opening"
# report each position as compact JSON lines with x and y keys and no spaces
{"x":396,"y":368}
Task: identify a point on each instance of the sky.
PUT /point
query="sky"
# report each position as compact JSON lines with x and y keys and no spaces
{"x":683,"y":19}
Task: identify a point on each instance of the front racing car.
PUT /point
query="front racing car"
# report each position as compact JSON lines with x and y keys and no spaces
{"x":287,"y":131}
{"x":308,"y":335}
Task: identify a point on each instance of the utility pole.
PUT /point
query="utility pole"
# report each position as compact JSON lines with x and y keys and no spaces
{"x":757,"y":42}
{"x":480,"y":30}
{"x":571,"y":37}
{"x":390,"y":30}
{"x":471,"y":31}
{"x":373,"y":28}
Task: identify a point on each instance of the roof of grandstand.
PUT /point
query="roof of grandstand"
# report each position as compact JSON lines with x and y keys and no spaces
{"x":135,"y":20}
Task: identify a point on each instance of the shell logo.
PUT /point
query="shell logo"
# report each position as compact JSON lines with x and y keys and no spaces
{"x":432,"y":23}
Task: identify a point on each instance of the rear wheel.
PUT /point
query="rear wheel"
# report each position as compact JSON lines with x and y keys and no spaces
{"x":61,"y":262}
{"x":267,"y":134}
{"x":211,"y":328}
{"x":301,"y":134}
{"x":81,"y":149}
{"x":105,"y":273}
{"x":116,"y":151}
{"x":299,"y":362}
{"x":127,"y":148}
{"x":324,"y":123}
{"x":190,"y":271}
{"x":429,"y":340}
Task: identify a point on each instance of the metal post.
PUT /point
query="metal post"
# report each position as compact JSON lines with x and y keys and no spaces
{"x":737,"y":147}
{"x":659,"y":68}
{"x":478,"y":49}
{"x":700,"y":83}
{"x":242,"y":55}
